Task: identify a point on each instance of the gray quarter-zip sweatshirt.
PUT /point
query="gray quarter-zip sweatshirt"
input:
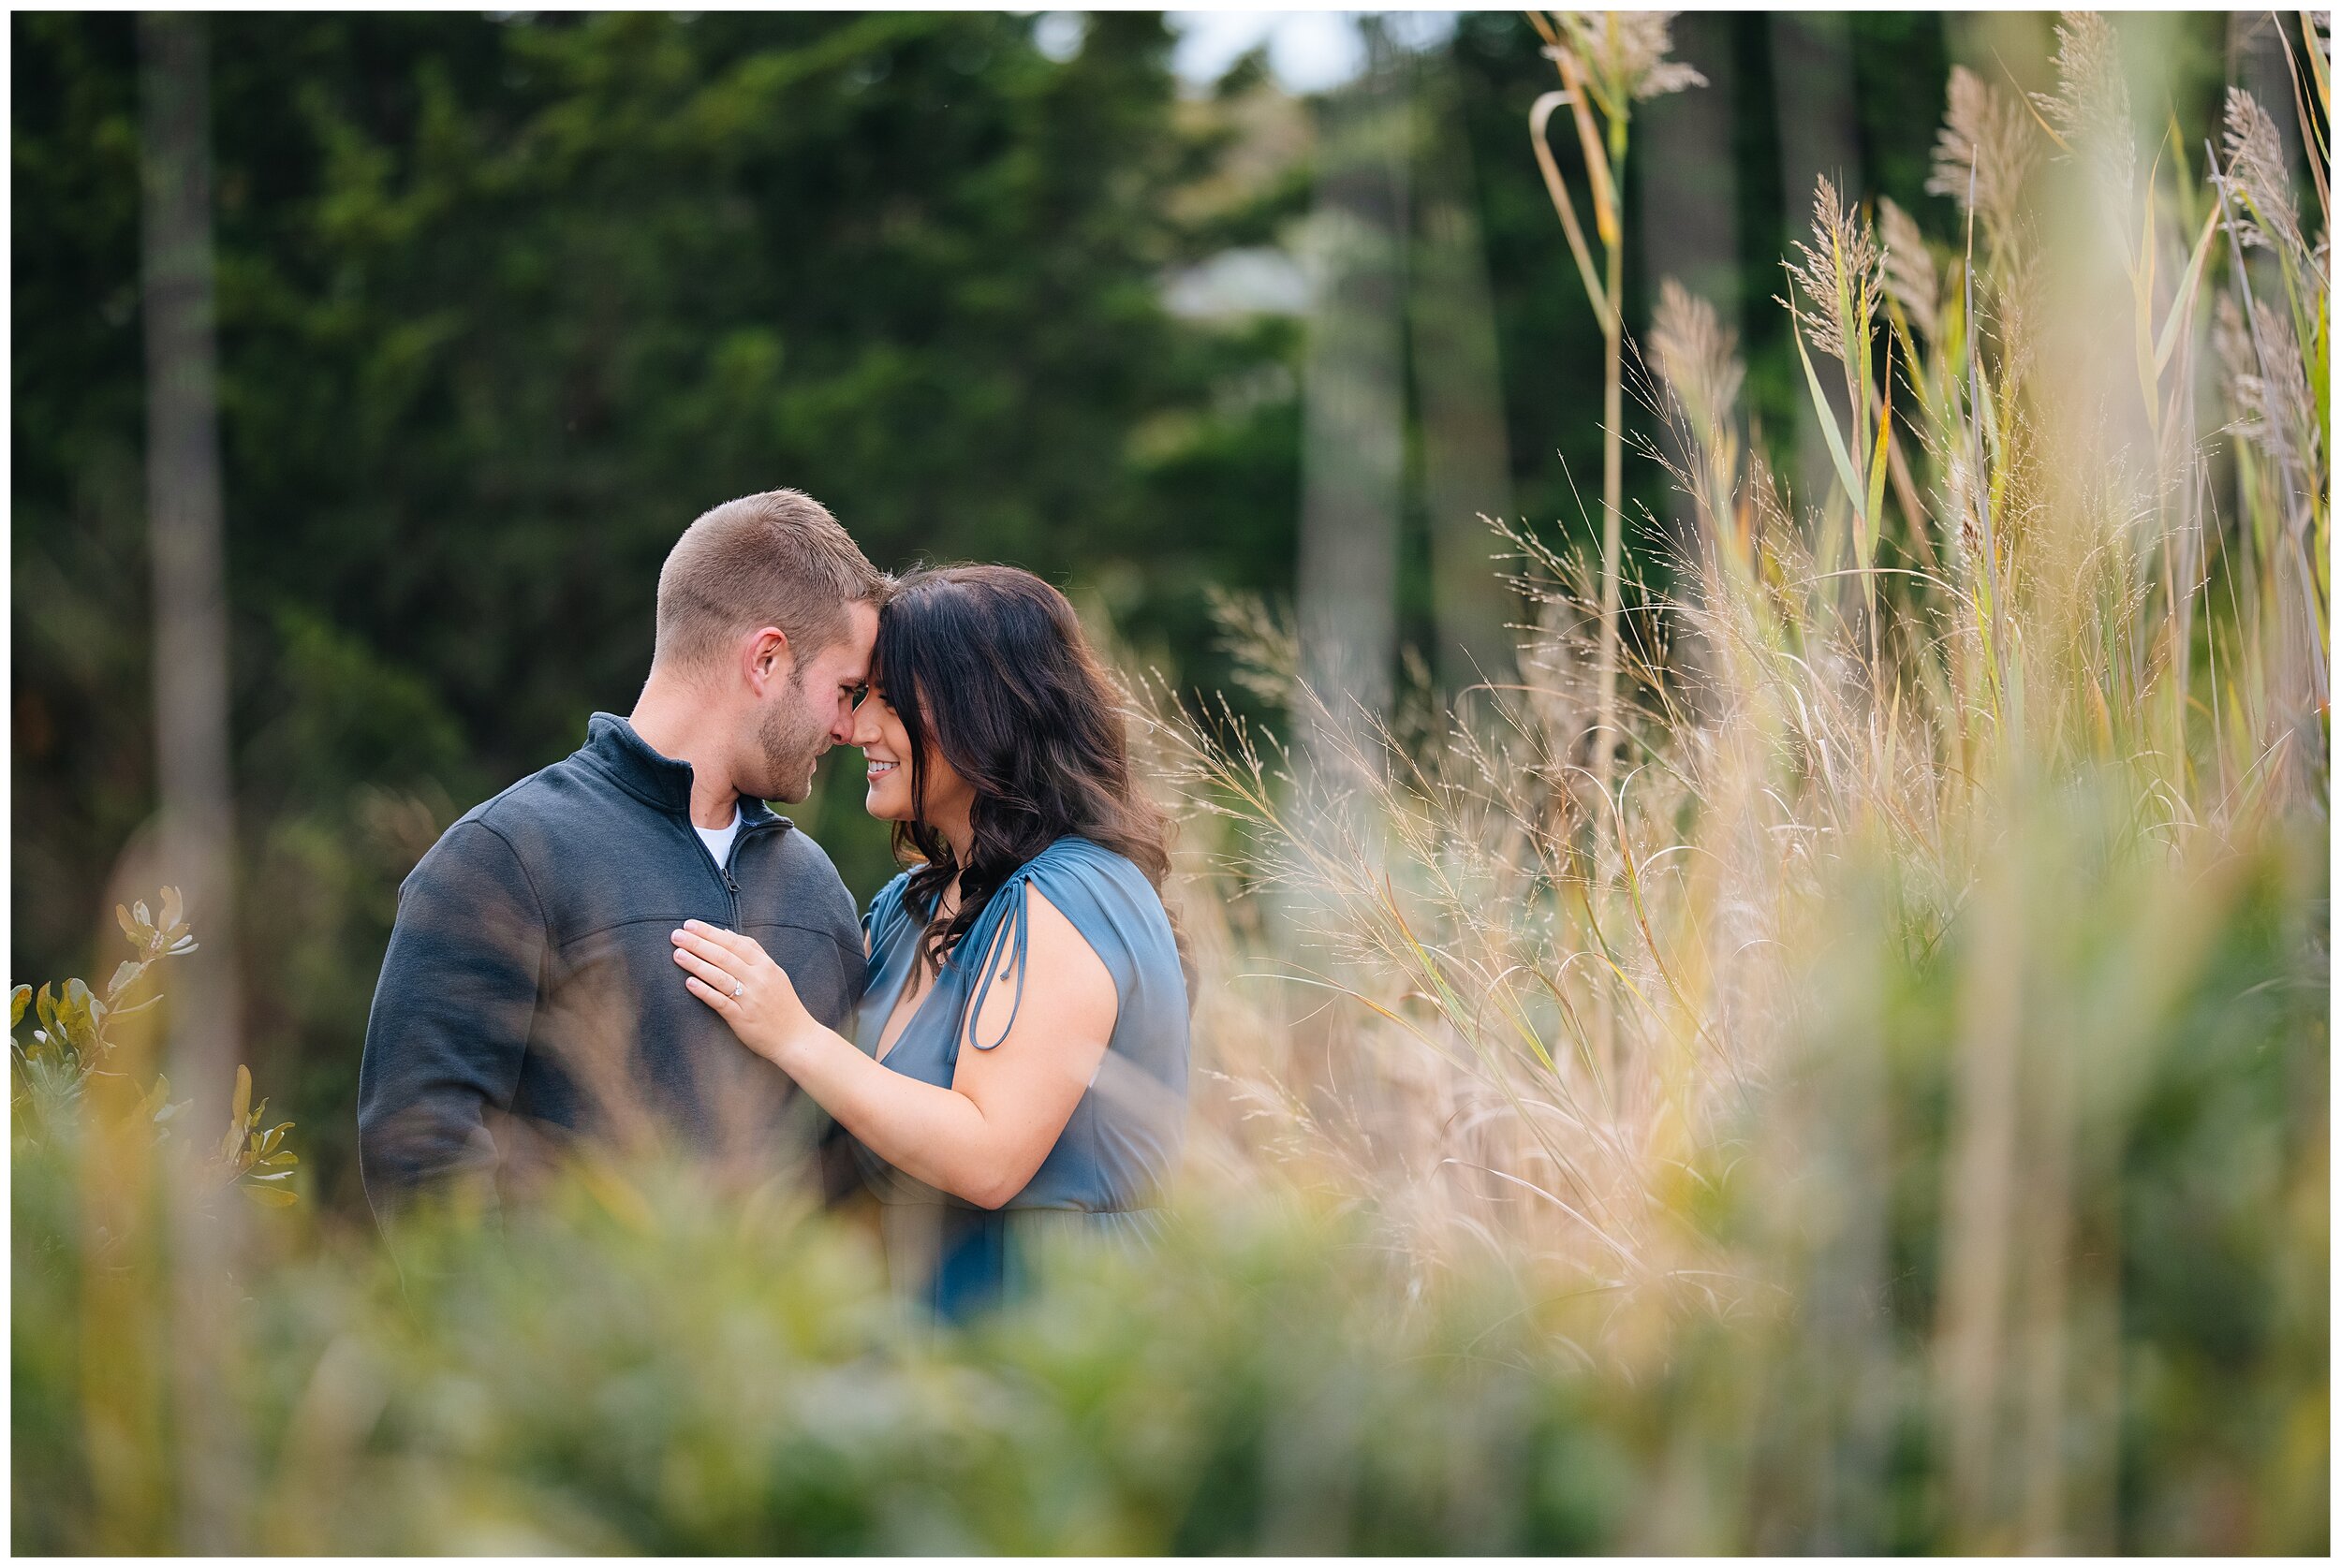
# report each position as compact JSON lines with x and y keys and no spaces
{"x":530,"y":990}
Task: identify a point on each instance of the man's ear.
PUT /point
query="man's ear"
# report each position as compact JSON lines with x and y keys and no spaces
{"x":766,"y":656}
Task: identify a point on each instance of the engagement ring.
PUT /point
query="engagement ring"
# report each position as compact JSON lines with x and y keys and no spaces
{"x":738,"y":986}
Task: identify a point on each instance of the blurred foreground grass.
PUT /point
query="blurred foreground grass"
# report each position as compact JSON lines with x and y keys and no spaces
{"x":646,"y":1364}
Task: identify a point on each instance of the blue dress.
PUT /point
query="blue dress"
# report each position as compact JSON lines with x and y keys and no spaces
{"x":1106,"y":1170}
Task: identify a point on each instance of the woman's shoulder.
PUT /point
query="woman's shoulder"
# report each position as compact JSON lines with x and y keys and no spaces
{"x":1092,"y":886}
{"x":1075,"y":858}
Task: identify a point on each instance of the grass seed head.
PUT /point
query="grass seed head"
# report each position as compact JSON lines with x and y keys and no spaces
{"x":1698,"y":356}
{"x":2091,"y":103}
{"x":1834,"y":291}
{"x":2256,"y":181}
{"x":1911,"y":281}
{"x":1987,"y":146}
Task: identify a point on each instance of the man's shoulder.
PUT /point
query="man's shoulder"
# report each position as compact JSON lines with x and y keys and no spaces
{"x":545,"y":813}
{"x":526,"y":818}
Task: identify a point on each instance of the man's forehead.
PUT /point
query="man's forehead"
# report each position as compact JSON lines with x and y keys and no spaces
{"x":851,"y":653}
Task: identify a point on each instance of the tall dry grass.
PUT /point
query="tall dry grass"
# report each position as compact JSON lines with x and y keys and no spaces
{"x":1952,"y":797}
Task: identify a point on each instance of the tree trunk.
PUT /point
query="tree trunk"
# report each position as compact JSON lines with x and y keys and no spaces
{"x":1354,"y":411}
{"x":1466,"y":459}
{"x":197,"y":823}
{"x":183,"y":491}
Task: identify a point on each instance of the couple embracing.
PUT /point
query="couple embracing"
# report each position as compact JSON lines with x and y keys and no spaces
{"x":630,"y":946}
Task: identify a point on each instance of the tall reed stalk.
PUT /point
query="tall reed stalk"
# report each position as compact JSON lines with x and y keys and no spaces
{"x":1608,"y":61}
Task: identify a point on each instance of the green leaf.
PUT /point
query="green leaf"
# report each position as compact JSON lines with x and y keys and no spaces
{"x":1827,"y":421}
{"x":18,"y":1000}
{"x":172,"y":907}
{"x":2183,"y":299}
{"x":143,"y":916}
{"x":231,"y":1145}
{"x":129,"y":926}
{"x":2320,"y":372}
{"x":1877,"y":475}
{"x":77,"y":1015}
{"x":270,"y":1197}
{"x":125,"y":975}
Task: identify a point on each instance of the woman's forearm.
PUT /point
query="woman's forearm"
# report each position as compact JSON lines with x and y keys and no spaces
{"x":938,"y":1136}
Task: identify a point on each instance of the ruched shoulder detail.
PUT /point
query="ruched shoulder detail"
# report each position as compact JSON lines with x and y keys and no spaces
{"x":1012,"y":916}
{"x":1108,"y":902}
{"x":886,"y":909}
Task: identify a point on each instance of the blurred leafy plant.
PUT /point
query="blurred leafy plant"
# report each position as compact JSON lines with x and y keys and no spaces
{"x":255,"y":1161}
{"x":74,"y":1041}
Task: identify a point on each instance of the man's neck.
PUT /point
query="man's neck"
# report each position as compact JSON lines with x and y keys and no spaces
{"x":672,"y":718}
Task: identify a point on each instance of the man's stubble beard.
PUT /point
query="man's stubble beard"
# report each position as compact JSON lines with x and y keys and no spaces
{"x":792,"y":740}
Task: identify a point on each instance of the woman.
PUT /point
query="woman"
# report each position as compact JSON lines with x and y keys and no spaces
{"x":1019,"y":1062}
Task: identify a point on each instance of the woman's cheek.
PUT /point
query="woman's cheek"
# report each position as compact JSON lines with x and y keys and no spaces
{"x":886,"y":797}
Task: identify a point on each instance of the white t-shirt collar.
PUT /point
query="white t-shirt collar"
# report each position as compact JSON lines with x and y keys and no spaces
{"x":718,"y":839}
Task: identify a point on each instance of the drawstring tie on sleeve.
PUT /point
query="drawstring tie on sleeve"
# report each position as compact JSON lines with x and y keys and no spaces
{"x":1013,"y":947}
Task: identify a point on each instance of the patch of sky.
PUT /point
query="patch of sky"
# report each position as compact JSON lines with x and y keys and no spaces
{"x":1308,"y":52}
{"x":1253,"y":281}
{"x":1058,"y":33}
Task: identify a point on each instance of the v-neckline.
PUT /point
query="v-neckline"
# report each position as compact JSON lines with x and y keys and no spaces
{"x":890,"y":1036}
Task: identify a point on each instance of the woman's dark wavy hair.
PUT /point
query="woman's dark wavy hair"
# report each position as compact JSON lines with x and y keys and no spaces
{"x":987,"y":664}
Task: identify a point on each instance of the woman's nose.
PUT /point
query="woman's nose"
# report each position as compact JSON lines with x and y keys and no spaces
{"x":860,"y":726}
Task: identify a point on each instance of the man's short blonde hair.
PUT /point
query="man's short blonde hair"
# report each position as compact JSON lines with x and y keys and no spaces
{"x":777,"y":558}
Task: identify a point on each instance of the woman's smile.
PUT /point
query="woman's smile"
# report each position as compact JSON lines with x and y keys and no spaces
{"x":886,"y":801}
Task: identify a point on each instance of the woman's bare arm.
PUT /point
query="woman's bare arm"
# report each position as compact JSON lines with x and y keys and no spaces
{"x":983,"y":1138}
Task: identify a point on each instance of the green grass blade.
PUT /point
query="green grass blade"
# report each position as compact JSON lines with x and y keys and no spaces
{"x":1827,"y":420}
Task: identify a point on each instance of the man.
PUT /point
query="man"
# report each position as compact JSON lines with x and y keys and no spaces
{"x":530,"y":992}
